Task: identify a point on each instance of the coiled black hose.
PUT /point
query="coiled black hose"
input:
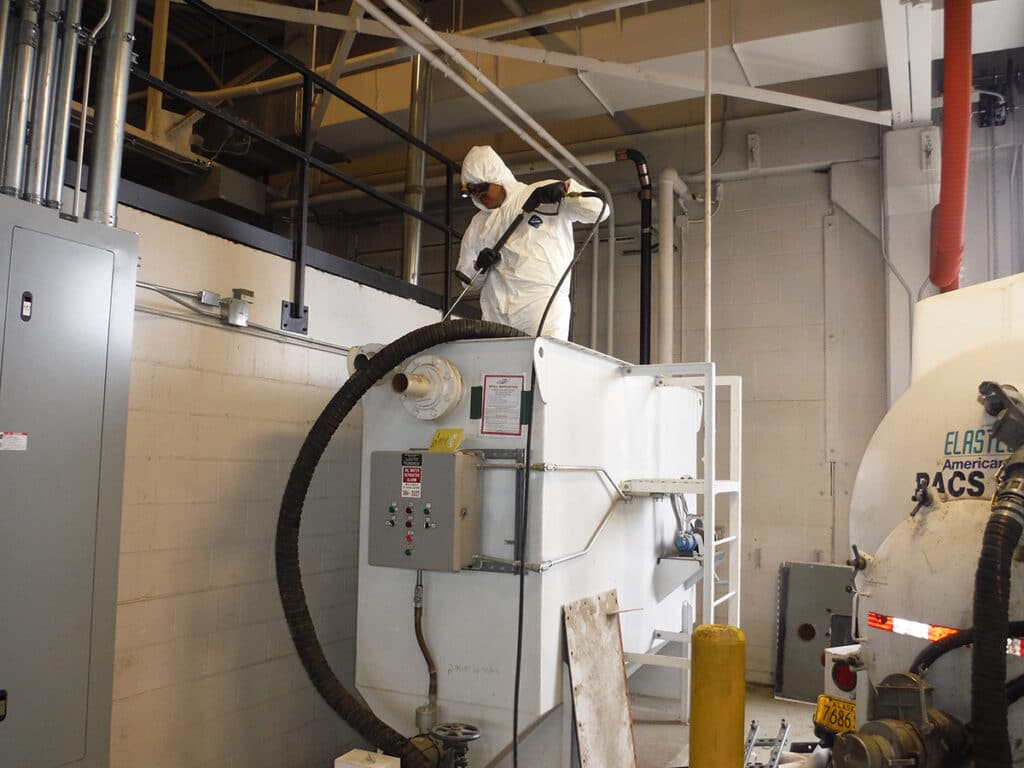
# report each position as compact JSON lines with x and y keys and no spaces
{"x":991,"y":620}
{"x":940,"y":648}
{"x":289,"y":574}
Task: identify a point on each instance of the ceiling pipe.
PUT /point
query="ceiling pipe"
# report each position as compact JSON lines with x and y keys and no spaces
{"x":62,"y":105}
{"x":509,"y":103}
{"x":340,"y":192}
{"x":110,"y":115}
{"x":646,"y":195}
{"x":416,"y":170}
{"x":670,"y":188}
{"x":20,"y":100}
{"x":950,"y":215}
{"x":5,"y":65}
{"x":90,"y":42}
{"x":391,"y":55}
{"x":42,"y":107}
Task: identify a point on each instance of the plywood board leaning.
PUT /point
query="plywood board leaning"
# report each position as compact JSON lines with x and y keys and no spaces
{"x":604,"y":723}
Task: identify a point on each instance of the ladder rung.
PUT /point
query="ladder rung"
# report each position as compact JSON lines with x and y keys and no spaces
{"x":726,"y":540}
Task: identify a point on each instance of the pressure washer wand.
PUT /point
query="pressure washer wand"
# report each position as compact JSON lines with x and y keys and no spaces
{"x":497,"y":248}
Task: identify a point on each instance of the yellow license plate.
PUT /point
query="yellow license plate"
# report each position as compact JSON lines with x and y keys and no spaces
{"x":836,"y":715}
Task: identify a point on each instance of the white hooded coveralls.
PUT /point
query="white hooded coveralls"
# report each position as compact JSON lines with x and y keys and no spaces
{"x":517,"y":289}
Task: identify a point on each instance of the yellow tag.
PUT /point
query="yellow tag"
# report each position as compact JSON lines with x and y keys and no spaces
{"x":447,"y":440}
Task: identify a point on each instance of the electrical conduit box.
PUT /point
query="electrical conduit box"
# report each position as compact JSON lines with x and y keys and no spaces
{"x":424,"y":510}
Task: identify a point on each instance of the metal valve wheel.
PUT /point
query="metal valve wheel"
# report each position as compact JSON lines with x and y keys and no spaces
{"x":457,"y":738}
{"x":454,"y":734}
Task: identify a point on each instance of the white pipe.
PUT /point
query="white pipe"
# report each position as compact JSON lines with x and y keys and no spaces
{"x":683,"y":221}
{"x":670,"y":186}
{"x":479,"y":76}
{"x":593,"y":290}
{"x":337,"y":195}
{"x":609,"y":345}
{"x":498,"y":93}
{"x":707,"y":188}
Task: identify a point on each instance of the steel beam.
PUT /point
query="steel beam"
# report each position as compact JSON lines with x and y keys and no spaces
{"x":908,"y":54}
{"x":558,"y":59}
{"x":334,"y":72}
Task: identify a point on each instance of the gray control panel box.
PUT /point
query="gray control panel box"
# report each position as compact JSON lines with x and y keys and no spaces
{"x":424,"y":510}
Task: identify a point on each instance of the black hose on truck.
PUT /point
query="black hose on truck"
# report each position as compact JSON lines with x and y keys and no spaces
{"x":289,"y":574}
{"x":991,"y":618}
{"x":940,"y":648}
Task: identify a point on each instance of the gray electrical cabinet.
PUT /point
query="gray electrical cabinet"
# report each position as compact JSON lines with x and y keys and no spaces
{"x":424,"y":510}
{"x":67,"y":294}
{"x":814,"y":613}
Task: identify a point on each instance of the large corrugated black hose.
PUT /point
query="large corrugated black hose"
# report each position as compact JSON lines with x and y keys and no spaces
{"x":289,"y":574}
{"x":991,"y":619}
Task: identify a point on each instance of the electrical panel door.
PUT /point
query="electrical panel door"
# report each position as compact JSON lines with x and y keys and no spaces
{"x":424,"y":510}
{"x":53,"y":371}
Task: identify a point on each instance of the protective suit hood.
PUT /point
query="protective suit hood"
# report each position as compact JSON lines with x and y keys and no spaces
{"x":482,"y":164}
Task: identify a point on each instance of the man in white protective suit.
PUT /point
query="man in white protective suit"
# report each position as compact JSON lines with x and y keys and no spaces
{"x":518,"y":281}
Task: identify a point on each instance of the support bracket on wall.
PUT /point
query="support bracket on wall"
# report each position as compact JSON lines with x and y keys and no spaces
{"x":294,"y":324}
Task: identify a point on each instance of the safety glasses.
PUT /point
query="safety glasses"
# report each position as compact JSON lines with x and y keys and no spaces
{"x":474,"y":190}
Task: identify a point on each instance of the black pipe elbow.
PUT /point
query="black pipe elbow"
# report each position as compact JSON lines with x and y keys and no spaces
{"x":637,"y":157}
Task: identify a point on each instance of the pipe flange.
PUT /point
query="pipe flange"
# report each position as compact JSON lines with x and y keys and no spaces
{"x":430,"y":386}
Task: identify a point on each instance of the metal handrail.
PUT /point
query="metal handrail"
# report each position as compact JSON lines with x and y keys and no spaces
{"x":321,"y":82}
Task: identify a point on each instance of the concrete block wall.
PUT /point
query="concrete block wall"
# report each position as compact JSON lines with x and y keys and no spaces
{"x":205,"y":671}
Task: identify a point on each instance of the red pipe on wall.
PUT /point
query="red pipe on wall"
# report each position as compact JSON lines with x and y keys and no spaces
{"x":949,"y":216}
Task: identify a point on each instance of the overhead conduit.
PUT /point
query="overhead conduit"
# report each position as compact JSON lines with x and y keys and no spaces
{"x":949,"y":216}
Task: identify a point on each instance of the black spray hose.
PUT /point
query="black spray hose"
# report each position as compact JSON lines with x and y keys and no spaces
{"x":940,"y":648}
{"x":646,"y":196}
{"x":991,"y":618}
{"x":289,"y":574}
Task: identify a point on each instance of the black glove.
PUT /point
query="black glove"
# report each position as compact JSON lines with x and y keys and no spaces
{"x":486,"y":259}
{"x":549,"y":194}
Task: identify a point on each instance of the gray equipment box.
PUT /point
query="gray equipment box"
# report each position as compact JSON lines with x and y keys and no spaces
{"x":67,"y":291}
{"x":424,"y":510}
{"x":815,"y":613}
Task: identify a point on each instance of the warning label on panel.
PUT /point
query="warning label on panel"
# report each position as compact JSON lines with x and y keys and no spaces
{"x":412,"y":482}
{"x":502,"y":405}
{"x":13,"y":441}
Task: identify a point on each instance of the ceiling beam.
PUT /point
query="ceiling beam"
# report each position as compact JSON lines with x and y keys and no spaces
{"x":908,"y":51}
{"x":919,"y":40}
{"x":682,"y":83}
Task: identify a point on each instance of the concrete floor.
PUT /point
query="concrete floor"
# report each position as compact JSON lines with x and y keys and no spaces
{"x":664,"y":743}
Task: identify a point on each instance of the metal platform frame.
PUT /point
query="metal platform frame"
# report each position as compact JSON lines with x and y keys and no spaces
{"x":717,"y":593}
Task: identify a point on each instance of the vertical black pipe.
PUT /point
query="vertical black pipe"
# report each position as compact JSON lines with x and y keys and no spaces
{"x":299,"y":288}
{"x":449,"y":192}
{"x":646,"y":197}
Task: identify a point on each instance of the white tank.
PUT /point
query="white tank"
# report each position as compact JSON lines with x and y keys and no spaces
{"x":937,"y":428}
{"x":923,"y":575}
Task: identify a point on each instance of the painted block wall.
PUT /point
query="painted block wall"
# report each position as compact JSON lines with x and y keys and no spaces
{"x":205,"y":671}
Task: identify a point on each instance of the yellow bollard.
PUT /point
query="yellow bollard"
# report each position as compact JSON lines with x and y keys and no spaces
{"x":717,"y":697}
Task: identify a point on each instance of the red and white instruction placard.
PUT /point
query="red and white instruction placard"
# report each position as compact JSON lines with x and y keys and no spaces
{"x":502,"y":405}
{"x":412,"y":475}
{"x":13,"y":441}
